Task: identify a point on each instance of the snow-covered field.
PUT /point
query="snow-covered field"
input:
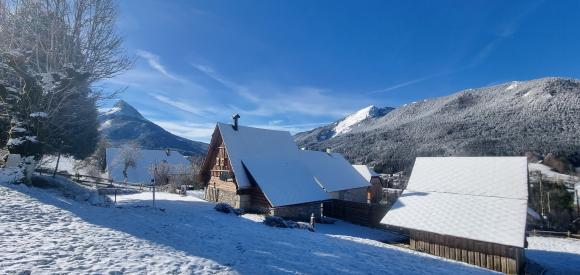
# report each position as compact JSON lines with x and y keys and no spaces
{"x":43,"y":232}
{"x":557,"y":255}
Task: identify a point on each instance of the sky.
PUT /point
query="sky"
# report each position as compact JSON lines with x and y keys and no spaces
{"x":296,"y":65}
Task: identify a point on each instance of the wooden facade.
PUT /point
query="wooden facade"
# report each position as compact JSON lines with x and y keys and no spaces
{"x":221,"y":181}
{"x":502,"y":258}
{"x":355,"y":212}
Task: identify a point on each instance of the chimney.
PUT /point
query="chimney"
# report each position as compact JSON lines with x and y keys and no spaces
{"x":235,"y":117}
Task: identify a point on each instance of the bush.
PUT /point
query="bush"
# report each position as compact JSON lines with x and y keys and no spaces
{"x":223,"y":207}
{"x":275,"y":221}
{"x":226,"y":208}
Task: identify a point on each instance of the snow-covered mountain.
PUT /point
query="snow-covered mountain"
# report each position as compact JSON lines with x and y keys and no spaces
{"x":538,"y":116}
{"x":123,"y":123}
{"x":345,"y":125}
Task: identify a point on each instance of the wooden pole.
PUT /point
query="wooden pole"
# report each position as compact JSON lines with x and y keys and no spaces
{"x":541,"y":197}
{"x":56,"y":166}
{"x":57,"y":160}
{"x":154,"y":182}
{"x":549,"y":209}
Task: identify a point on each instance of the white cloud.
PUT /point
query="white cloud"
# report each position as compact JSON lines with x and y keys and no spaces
{"x":404,"y":84}
{"x":241,"y":90}
{"x":155,"y":63}
{"x":186,"y":129}
{"x":269,"y":101}
{"x":179,"y":104}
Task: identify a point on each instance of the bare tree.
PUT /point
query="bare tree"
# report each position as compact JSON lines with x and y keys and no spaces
{"x":77,"y":34}
{"x":52,"y":52}
{"x":128,"y":157}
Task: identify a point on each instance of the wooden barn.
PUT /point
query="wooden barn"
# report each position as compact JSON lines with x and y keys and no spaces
{"x":469,"y":209}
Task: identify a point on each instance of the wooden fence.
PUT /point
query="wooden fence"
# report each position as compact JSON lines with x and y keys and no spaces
{"x":96,"y":182}
{"x":355,"y":212}
{"x":553,"y":234}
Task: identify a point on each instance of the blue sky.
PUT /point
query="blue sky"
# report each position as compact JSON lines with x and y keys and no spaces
{"x":295,"y":65}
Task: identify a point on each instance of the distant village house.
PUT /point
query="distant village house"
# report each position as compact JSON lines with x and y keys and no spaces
{"x":143,"y":163}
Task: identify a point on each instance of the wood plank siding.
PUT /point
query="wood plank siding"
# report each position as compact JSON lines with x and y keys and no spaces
{"x":502,"y":258}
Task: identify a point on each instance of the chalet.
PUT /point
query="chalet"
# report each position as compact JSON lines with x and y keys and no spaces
{"x":376,"y":190}
{"x":263,"y":171}
{"x":470,"y":209}
{"x":141,"y":173}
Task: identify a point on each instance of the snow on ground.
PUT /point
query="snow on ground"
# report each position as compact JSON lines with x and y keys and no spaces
{"x":550,"y":174}
{"x":65,"y":164}
{"x":557,"y":255}
{"x":43,"y":232}
{"x":8,"y":175}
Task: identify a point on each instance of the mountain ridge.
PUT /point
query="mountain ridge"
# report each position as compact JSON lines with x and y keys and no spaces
{"x":538,"y":116}
{"x":123,"y":123}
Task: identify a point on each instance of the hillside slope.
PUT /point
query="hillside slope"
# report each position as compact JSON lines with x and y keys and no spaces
{"x":539,"y":116}
{"x":123,"y":123}
{"x":44,"y":232}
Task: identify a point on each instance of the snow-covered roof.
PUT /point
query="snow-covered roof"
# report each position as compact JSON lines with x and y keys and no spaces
{"x":145,"y":159}
{"x":478,"y":198}
{"x":254,"y":143}
{"x":272,"y":158}
{"x":365,"y":171}
{"x":332,"y":171}
{"x":285,"y":182}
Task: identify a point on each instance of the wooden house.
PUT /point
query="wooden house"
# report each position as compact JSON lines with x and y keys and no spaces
{"x":469,"y":209}
{"x":263,"y":171}
{"x":260,"y":170}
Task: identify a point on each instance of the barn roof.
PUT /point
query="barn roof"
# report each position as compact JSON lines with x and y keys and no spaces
{"x":477,"y":198}
{"x":272,"y":159}
{"x":332,"y":171}
{"x":144,"y":160}
{"x":365,"y":171}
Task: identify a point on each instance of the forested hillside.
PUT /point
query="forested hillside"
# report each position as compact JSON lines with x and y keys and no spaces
{"x":539,"y":116}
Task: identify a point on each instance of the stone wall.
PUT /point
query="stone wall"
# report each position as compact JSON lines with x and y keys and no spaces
{"x":300,"y":212}
{"x":219,"y":195}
